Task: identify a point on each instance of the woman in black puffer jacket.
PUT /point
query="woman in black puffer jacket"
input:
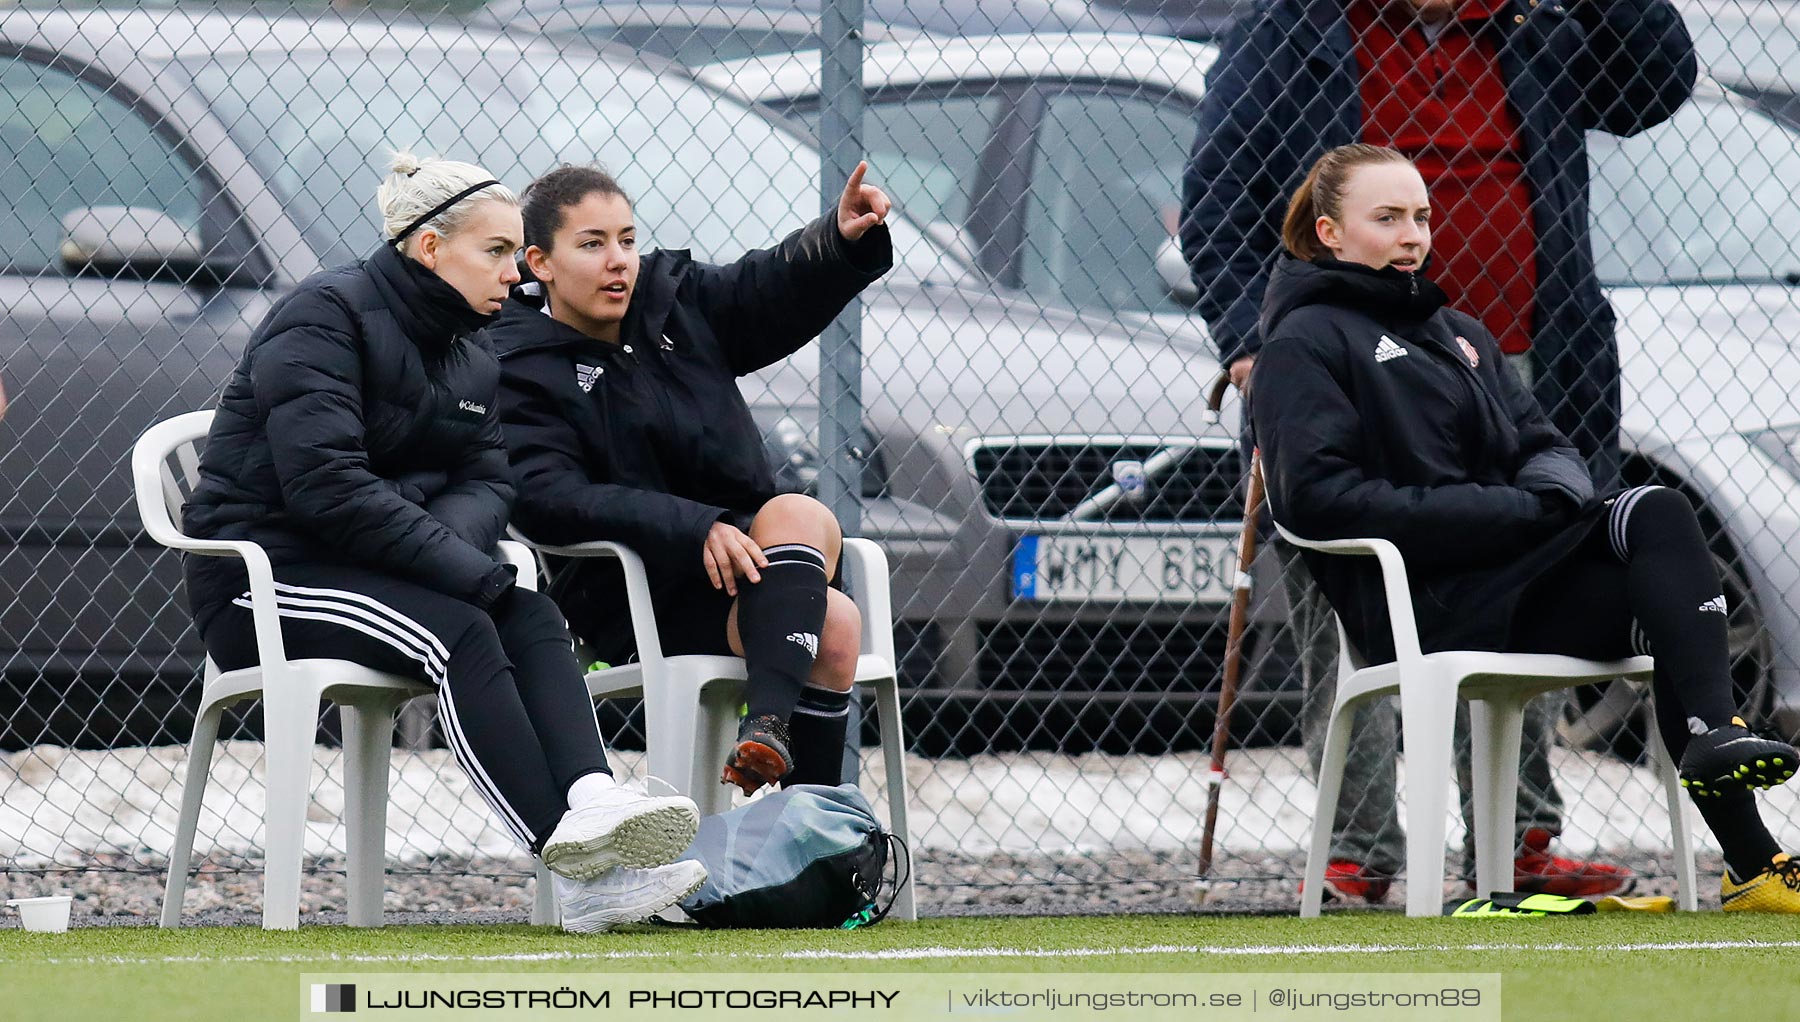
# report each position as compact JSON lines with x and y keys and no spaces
{"x":359,"y":444}
{"x":624,"y":422}
{"x":1381,"y":413}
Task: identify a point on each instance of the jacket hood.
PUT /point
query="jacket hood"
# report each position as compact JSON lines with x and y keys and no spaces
{"x":1387,"y":294}
{"x":523,"y":326}
{"x":430,"y":311}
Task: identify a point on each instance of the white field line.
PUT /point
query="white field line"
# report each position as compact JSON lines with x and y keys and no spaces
{"x":913,"y":954}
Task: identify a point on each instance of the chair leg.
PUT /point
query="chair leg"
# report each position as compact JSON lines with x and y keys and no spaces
{"x":893,"y":758}
{"x":1687,"y":891}
{"x":290,"y":720}
{"x":193,"y":793}
{"x":1427,"y":722}
{"x":714,"y":732}
{"x":1331,"y":780}
{"x":368,"y":745}
{"x":544,"y":910}
{"x":1495,"y":726}
{"x":670,"y":711}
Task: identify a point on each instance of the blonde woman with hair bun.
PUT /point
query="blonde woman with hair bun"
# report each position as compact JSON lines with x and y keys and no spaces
{"x":359,"y":444}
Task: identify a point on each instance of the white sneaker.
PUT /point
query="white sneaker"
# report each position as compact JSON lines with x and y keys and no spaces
{"x":624,"y":895}
{"x":622,"y":828}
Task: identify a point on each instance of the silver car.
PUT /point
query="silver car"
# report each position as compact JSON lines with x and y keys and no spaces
{"x":705,"y":33}
{"x":1692,"y":226}
{"x":1058,"y":510}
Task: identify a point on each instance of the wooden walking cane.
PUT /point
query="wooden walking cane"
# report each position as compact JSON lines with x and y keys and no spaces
{"x":1234,"y":661}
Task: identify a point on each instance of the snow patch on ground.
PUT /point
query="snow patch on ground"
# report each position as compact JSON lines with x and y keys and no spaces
{"x":61,"y":806}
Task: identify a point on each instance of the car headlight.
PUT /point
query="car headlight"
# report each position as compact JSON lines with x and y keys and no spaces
{"x":791,"y":438}
{"x":1781,"y":444}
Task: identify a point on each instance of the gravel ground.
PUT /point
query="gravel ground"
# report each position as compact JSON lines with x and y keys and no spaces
{"x":227,"y":894}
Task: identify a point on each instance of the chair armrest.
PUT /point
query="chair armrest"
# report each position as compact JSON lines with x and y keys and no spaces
{"x":519,"y":555}
{"x":270,"y":651}
{"x":157,"y":499}
{"x":865,"y":568}
{"x":637,"y":587}
{"x":1393,"y":579}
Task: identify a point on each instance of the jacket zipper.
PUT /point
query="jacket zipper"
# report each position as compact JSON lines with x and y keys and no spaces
{"x":657,"y":384}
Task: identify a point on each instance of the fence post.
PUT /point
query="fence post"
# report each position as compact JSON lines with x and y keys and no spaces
{"x":840,"y":346}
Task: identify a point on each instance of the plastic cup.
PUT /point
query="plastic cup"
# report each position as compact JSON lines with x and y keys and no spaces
{"x":44,"y":915}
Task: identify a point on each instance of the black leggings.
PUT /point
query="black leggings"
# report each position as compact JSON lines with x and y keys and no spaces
{"x":1642,"y":582}
{"x":511,"y":698}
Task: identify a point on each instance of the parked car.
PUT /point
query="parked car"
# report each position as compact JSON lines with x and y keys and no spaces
{"x":714,"y":30}
{"x":1058,"y":512}
{"x":1751,"y":47}
{"x":989,"y":143}
{"x":1754,"y":42}
{"x":1194,"y":20}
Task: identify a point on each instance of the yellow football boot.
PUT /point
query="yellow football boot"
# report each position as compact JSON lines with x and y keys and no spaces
{"x":1775,"y":889}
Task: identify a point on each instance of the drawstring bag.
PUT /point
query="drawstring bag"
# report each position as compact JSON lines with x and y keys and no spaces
{"x":808,"y":856}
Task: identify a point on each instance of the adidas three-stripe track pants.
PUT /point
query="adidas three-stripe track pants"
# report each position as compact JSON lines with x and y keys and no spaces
{"x":511,"y":699}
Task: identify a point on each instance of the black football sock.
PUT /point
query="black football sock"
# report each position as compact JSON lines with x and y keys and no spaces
{"x":820,"y":720}
{"x":1747,"y":844}
{"x":779,"y":621}
{"x":1673,"y":588}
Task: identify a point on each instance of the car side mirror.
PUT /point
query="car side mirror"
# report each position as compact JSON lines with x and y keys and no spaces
{"x":138,"y":243}
{"x":1172,"y":267}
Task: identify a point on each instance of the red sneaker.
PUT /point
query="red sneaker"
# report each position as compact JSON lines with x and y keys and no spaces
{"x":1536,"y":871}
{"x":1345,"y":879}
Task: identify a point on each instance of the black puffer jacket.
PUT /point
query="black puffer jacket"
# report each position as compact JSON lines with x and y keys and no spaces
{"x":1380,"y":413}
{"x":649,"y":442}
{"x":1286,"y":88}
{"x":360,"y":427}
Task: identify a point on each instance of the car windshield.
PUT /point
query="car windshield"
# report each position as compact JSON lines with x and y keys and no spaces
{"x":704,"y":44}
{"x":1706,"y":197}
{"x":705,"y":173}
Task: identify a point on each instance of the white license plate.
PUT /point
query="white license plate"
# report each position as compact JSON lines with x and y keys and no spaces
{"x":1148,"y":569}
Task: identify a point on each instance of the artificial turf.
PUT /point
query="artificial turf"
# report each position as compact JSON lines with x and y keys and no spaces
{"x":1701,"y":966}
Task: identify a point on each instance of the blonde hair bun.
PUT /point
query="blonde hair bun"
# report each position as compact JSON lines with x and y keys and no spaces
{"x":402,"y":161}
{"x":415,"y":186}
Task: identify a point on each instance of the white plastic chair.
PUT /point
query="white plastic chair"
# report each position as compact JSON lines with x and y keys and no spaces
{"x":691,"y":702}
{"x":1497,"y":686}
{"x":291,"y":691}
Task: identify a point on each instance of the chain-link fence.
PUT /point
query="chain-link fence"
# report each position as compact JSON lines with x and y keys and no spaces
{"x":1016,"y":412}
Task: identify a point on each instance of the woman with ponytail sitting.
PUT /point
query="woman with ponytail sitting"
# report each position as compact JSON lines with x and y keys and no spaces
{"x":1379,"y":412}
{"x":624,"y":422}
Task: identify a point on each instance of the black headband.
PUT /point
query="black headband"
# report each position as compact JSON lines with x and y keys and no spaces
{"x":440,"y":208}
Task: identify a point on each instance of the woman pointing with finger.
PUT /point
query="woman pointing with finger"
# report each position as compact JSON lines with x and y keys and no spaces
{"x":623,"y":420}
